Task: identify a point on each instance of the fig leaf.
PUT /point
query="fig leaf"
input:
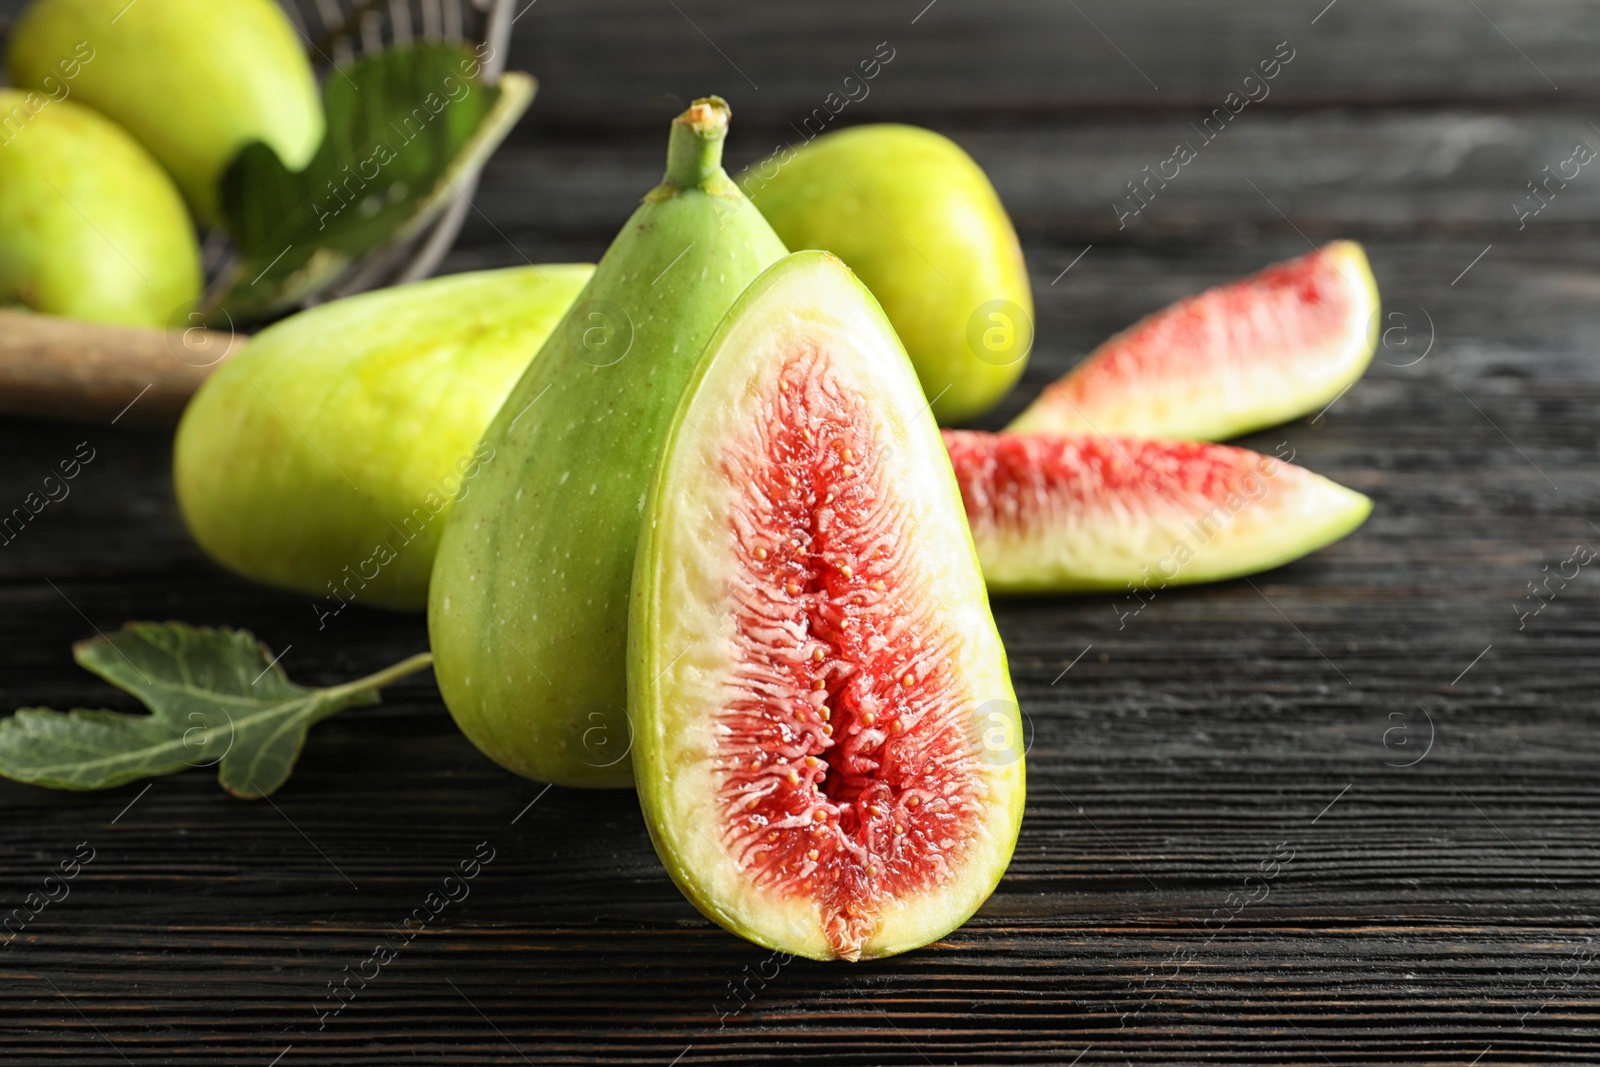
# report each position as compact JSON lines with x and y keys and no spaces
{"x":405,"y":128}
{"x":216,"y":696}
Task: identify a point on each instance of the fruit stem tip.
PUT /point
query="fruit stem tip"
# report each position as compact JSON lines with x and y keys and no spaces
{"x":694,"y":152}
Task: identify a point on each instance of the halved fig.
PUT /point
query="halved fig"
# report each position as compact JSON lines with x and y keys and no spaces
{"x":1262,"y":350}
{"x":826,"y":742}
{"x":1087,"y":512}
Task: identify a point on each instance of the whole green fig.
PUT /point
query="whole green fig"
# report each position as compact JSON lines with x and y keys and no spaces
{"x":917,"y":221}
{"x":528,"y":609}
{"x":192,"y":80}
{"x":324,"y":457}
{"x":91,"y":227}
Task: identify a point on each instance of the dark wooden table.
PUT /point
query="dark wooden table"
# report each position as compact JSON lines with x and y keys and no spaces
{"x":1377,"y":724}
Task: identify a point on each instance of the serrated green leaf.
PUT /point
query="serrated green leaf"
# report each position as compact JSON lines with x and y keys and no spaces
{"x":404,"y":128}
{"x":216,"y":697}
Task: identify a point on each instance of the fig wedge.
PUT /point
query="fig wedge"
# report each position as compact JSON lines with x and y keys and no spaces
{"x":1085,"y":512}
{"x":1259,"y":351}
{"x":827,"y":745}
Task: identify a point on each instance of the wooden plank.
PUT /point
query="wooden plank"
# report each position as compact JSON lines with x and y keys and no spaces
{"x":1327,"y":172}
{"x":1426,"y":913}
{"x":1433,"y":910}
{"x":612,"y":64}
{"x":94,"y":372}
{"x":955,"y":58}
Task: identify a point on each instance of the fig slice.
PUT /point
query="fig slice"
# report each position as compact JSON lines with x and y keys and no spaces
{"x":1086,"y":512}
{"x":1262,"y":350}
{"x":826,"y":743}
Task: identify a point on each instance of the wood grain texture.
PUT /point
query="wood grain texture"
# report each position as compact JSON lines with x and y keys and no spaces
{"x":1432,"y":910}
{"x":622,"y":64}
{"x":612,"y":62}
{"x":1425,"y":174}
{"x":89,"y":372}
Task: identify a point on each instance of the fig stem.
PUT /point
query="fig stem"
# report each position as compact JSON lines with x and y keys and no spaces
{"x":694,"y":151}
{"x":394,"y":673}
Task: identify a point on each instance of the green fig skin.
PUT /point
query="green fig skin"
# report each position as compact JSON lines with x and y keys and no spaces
{"x":919,"y":223}
{"x":326,"y":456}
{"x":91,"y":227}
{"x":528,"y":608}
{"x":193,"y":80}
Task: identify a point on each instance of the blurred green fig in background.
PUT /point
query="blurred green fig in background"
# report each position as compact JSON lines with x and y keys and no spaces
{"x":917,"y":220}
{"x":324,"y":457}
{"x":91,"y":227}
{"x":193,"y":80}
